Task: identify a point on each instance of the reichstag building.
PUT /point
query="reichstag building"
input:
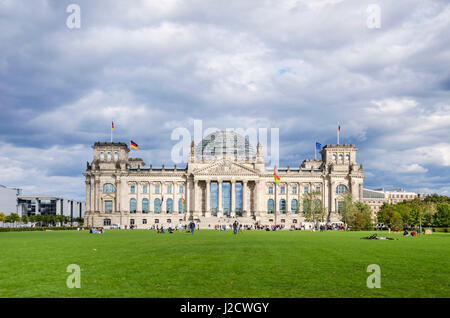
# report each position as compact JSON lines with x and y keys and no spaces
{"x":225,"y":179}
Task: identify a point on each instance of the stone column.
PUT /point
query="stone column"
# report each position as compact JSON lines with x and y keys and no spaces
{"x":244,"y":199}
{"x":188,"y":198}
{"x":219,"y":201}
{"x":233,"y":198}
{"x":118,"y":196}
{"x":208,"y":198}
{"x":333,"y":196}
{"x":197,"y":196}
{"x":258,"y":197}
{"x":97,"y":197}
{"x":87,"y":198}
{"x":288,"y":203}
{"x":92,"y":195}
{"x":138,"y":202}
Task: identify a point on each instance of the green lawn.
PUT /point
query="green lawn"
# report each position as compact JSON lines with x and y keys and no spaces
{"x":141,"y":263}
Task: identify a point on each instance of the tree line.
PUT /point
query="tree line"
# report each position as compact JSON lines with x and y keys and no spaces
{"x":39,"y":219}
{"x":433,"y":211}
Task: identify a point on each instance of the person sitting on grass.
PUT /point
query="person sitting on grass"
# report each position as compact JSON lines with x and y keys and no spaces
{"x":405,"y":233}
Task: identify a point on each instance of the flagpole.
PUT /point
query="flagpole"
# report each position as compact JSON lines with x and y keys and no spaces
{"x":315,"y":148}
{"x":276,"y":202}
{"x":338,"y":133}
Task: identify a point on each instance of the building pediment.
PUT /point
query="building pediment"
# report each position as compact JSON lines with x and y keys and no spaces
{"x":225,"y":167}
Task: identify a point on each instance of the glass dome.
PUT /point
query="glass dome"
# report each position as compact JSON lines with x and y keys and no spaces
{"x":224,"y":144}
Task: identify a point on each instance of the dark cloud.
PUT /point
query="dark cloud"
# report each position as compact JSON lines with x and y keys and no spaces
{"x":152,"y":66}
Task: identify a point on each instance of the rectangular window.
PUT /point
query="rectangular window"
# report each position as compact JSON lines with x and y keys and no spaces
{"x":133,"y":189}
{"x":169,"y":189}
{"x":270,"y":190}
{"x":144,"y":189}
{"x":131,"y":221}
{"x":181,"y":189}
{"x":156,"y":188}
{"x":108,"y":206}
{"x":106,"y":221}
{"x":144,"y":221}
{"x":282,"y":190}
{"x":340,"y":206}
{"x":305,"y":189}
{"x":318,"y":189}
{"x":294,"y":190}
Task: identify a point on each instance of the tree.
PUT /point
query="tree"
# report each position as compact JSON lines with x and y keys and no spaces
{"x":60,"y":219}
{"x":13,"y":218}
{"x":25,"y":219}
{"x":348,"y":209}
{"x":38,"y":219}
{"x":313,"y":209}
{"x":362,"y":218}
{"x":442,"y":215}
{"x":404,"y":209}
{"x":2,"y":217}
{"x":389,"y":216}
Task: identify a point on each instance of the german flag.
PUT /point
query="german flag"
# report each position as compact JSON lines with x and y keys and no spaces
{"x":112,"y":126}
{"x":275,"y":176}
{"x":133,"y":145}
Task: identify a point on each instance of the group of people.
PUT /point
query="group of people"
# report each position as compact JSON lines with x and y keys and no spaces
{"x":95,"y":230}
{"x":413,"y":233}
{"x":170,"y":229}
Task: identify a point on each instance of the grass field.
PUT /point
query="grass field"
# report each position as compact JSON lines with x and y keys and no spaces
{"x":141,"y":263}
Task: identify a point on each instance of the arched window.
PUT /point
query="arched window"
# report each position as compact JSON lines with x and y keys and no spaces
{"x":132,"y":205}
{"x":108,"y":206}
{"x":282,"y":206}
{"x":116,"y":156}
{"x":305,"y":205}
{"x":270,"y":206}
{"x":334,"y":156}
{"x":109,"y":156}
{"x":294,"y":206}
{"x":341,"y":189}
{"x":341,"y":157}
{"x":347,"y":157}
{"x":144,"y":205}
{"x":108,"y":188}
{"x":318,"y":204}
{"x":157,"y":206}
{"x":102,"y":156}
{"x":169,"y":206}
{"x":181,"y":206}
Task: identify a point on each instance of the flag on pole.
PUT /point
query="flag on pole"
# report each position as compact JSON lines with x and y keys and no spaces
{"x":275,"y":176}
{"x":182,"y":201}
{"x":112,"y":126}
{"x":318,"y":146}
{"x":338,"y":133}
{"x":133,"y":145}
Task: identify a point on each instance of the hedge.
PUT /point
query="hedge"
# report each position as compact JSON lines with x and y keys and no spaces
{"x":39,"y":228}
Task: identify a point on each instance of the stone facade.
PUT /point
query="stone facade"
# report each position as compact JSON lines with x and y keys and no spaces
{"x":120,"y":191}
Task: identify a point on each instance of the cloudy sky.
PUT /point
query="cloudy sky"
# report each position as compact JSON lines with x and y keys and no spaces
{"x":151,"y":66}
